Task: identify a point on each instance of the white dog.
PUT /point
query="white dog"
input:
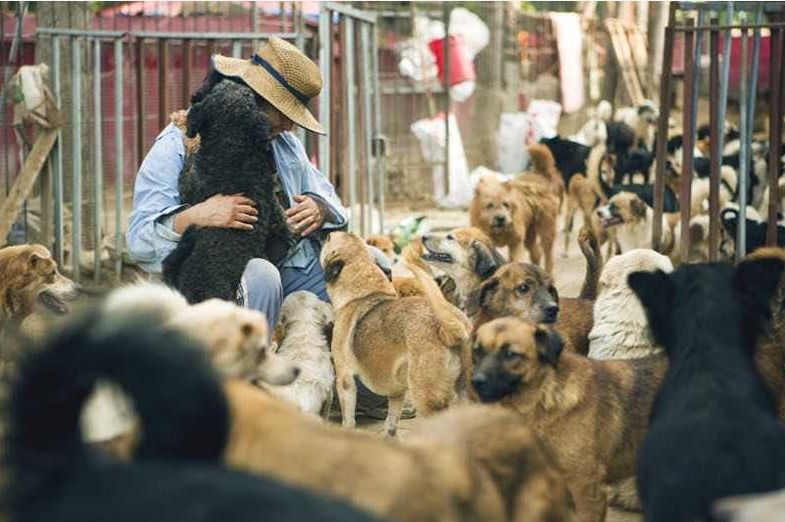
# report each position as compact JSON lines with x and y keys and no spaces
{"x":304,"y":342}
{"x":621,"y":330}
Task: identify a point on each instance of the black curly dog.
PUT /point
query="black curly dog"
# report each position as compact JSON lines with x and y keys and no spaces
{"x":235,"y":156}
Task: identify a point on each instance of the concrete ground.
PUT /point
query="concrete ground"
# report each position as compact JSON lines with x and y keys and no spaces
{"x":569,"y":274}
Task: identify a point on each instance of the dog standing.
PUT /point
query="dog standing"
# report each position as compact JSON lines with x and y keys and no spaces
{"x":235,"y":156}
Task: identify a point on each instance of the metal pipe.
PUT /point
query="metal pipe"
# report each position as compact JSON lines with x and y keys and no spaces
{"x":753,"y":85}
{"x":716,"y":129}
{"x":186,"y":86}
{"x":140,"y":141}
{"x":118,"y":151}
{"x":58,"y":157}
{"x":61,"y":31}
{"x":724,"y":79}
{"x":325,"y":60}
{"x":688,"y":115}
{"x":366,"y":110}
{"x":776,"y":101}
{"x":344,"y":9}
{"x":98,"y":158}
{"x":446,"y":81}
{"x":237,"y":49}
{"x":163,"y":90}
{"x":697,"y":75}
{"x":741,"y":231}
{"x":348,"y":69}
{"x":298,"y":25}
{"x":378,"y":125}
{"x":770,"y":25}
{"x":76,"y":156}
{"x":213,"y":35}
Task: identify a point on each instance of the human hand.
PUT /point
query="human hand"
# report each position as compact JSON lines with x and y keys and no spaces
{"x":306,"y":216}
{"x":219,"y":211}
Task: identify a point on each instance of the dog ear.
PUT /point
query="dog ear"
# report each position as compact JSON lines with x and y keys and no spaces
{"x":34,"y":259}
{"x":327,"y":329}
{"x":479,"y":297}
{"x":332,"y":269}
{"x":486,"y":260}
{"x":655,"y":292}
{"x":549,"y":345}
{"x":758,"y":282}
{"x":638,"y":207}
{"x":554,"y":293}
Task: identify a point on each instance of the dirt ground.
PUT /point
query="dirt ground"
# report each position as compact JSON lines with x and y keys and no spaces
{"x":569,"y":274}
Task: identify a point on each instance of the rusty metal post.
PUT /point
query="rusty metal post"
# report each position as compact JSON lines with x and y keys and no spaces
{"x":140,"y":141}
{"x":662,"y":133}
{"x":446,"y":82}
{"x":163,"y":83}
{"x":688,"y":148}
{"x":716,"y":127}
{"x":744,"y":161}
{"x":186,"y":85}
{"x":775,"y":130}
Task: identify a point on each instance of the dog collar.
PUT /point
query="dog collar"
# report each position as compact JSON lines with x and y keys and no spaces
{"x":258,"y":60}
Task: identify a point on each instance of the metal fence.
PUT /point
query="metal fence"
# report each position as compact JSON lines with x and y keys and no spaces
{"x":694,"y":31}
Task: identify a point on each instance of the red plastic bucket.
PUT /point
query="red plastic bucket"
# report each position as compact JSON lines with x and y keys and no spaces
{"x":461,"y":67}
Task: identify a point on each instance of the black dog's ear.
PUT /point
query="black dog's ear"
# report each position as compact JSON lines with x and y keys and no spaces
{"x":479,"y":297}
{"x":758,"y":281}
{"x":196,"y":119}
{"x":332,"y":269}
{"x":655,"y":292}
{"x":554,"y":293}
{"x":549,"y":345}
{"x":327,"y":329}
{"x":486,"y":260}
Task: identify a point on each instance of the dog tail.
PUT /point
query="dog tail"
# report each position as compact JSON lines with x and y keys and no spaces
{"x":174,"y":261}
{"x":174,"y":390}
{"x":590,"y":248}
{"x":454,"y":331}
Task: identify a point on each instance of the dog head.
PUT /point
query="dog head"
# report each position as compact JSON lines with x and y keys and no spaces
{"x":29,"y":277}
{"x":350,"y":271}
{"x":648,"y":112}
{"x":618,"y":268}
{"x":305,"y":307}
{"x":509,"y":354}
{"x":495,"y":205}
{"x":236,"y":340}
{"x":622,"y":209}
{"x":522,"y":290}
{"x":465,"y":254}
{"x":383,"y":243}
{"x":229,"y":110}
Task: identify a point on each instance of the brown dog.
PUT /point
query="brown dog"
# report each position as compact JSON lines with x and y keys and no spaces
{"x":472,"y":463}
{"x":395,"y":345}
{"x":383,"y":243}
{"x":524,"y":290}
{"x":591,"y":414}
{"x":544,"y":170}
{"x":466,"y":256}
{"x":582,"y":195}
{"x":516,"y":214}
{"x":29,"y":278}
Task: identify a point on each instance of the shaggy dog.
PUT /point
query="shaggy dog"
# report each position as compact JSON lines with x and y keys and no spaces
{"x":620,"y":329}
{"x":627,"y":220}
{"x":50,"y":475}
{"x":544,"y":170}
{"x":234,"y":157}
{"x":305,"y":332}
{"x":714,"y":431}
{"x":516,"y":214}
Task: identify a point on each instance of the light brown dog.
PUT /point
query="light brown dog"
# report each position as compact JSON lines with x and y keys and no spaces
{"x":383,"y":243}
{"x":517,"y":214}
{"x":394,"y":345}
{"x":28,"y":279}
{"x":472,"y":463}
{"x":592,"y":415}
{"x":524,"y":290}
{"x":466,"y":256}
{"x":582,"y":195}
{"x":544,"y":170}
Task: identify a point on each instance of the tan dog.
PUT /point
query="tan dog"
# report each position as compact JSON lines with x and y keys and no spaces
{"x":29,"y":278}
{"x":516,"y":214}
{"x":627,"y":220}
{"x":592,"y":415}
{"x":383,"y":243}
{"x":526,"y":291}
{"x":395,"y":345}
{"x":469,"y":464}
{"x":466,"y":256}
{"x":544,"y":170}
{"x":582,"y":195}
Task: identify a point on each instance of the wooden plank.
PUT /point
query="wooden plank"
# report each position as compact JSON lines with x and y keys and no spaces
{"x":24,"y":182}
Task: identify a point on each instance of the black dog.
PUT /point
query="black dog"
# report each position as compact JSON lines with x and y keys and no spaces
{"x":49,"y":475}
{"x":714,"y":430}
{"x":570,"y":156}
{"x":235,"y":156}
{"x":755,"y":230}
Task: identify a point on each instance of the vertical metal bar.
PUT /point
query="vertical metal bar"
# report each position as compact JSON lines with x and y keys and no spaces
{"x":58,"y":157}
{"x":688,"y":116}
{"x":348,"y":70}
{"x":237,"y":48}
{"x":366,"y":110}
{"x":163,"y":80}
{"x":776,"y":101}
{"x":186,"y":86}
{"x":118,"y":151}
{"x":662,"y":132}
{"x":741,"y":231}
{"x":753,"y":87}
{"x":697,"y":72}
{"x":724,"y":79}
{"x":378,"y":125}
{"x":98,"y":158}
{"x":76,"y":155}
{"x":716,"y":129}
{"x":446,"y":82}
{"x":325,"y":61}
{"x":140,"y":141}
{"x":298,"y":26}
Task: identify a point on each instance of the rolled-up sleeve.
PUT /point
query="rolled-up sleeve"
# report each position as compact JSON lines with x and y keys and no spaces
{"x":150,"y":235}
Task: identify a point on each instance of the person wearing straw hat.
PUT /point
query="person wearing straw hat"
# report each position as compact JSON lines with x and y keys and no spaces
{"x":286,"y":80}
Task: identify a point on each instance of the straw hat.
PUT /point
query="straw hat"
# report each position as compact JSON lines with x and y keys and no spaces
{"x":282,"y":75}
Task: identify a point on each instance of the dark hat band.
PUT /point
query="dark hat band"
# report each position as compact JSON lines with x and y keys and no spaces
{"x":258,"y":60}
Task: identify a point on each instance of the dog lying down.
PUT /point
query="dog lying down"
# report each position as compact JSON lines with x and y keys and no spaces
{"x":50,"y":476}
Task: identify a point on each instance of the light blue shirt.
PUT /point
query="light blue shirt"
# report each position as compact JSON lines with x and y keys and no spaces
{"x":150,"y":235}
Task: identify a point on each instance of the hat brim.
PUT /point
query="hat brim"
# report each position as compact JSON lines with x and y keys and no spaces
{"x":261,"y":81}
